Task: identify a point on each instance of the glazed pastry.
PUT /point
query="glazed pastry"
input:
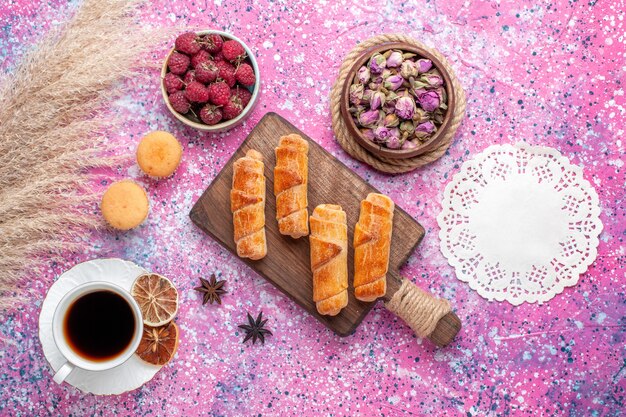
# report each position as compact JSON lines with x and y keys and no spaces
{"x":372,"y":241}
{"x":247,"y":203}
{"x":329,"y":258}
{"x":290,"y":186}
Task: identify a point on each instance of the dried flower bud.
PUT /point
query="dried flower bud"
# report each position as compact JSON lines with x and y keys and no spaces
{"x":381,"y":134}
{"x":356,"y":93}
{"x":389,"y":107}
{"x":377,"y":100}
{"x":429,"y":100}
{"x":408,"y":145}
{"x":368,"y":134}
{"x":357,"y":109}
{"x":395,"y":59}
{"x":375,"y":82}
{"x":393,"y":95}
{"x":438,"y":116}
{"x":424,"y":65}
{"x":393,"y":140}
{"x":417,"y":85}
{"x":367,"y":95}
{"x":369,"y":118}
{"x":417,"y":89}
{"x":443,"y":97}
{"x":424,"y":130}
{"x":408,"y":69}
{"x":420,"y":115}
{"x":391,"y":120}
{"x":433,"y":80}
{"x":407,"y":126}
{"x":363,"y":75}
{"x":427,"y":127}
{"x":405,"y":107}
{"x":377,"y":63}
{"x":394,"y":82}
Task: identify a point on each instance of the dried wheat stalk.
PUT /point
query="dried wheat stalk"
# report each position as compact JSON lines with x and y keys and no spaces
{"x":53,"y":122}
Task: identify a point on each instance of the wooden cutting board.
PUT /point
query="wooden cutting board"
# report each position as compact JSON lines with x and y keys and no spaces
{"x":287,"y":264}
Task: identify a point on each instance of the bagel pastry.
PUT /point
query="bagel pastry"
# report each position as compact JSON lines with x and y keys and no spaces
{"x":247,"y":203}
{"x":290,"y":186}
{"x":372,"y":242}
{"x":329,"y":258}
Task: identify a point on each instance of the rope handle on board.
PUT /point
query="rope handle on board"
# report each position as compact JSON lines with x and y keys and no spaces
{"x":428,"y":316}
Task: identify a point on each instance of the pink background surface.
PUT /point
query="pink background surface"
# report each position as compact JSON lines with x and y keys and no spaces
{"x":547,"y":73}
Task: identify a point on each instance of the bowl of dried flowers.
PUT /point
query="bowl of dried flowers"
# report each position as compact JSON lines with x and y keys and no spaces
{"x":210,"y":80}
{"x":395,"y":100}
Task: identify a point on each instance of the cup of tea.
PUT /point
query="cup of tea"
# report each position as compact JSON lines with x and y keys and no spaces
{"x":96,"y":326}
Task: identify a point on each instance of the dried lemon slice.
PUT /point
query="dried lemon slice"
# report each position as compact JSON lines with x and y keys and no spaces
{"x":158,"y":344}
{"x":157,"y":298}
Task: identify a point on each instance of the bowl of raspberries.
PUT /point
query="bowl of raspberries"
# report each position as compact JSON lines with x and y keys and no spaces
{"x":210,"y":80}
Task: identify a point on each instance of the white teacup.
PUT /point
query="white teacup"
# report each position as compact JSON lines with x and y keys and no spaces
{"x":74,"y":359}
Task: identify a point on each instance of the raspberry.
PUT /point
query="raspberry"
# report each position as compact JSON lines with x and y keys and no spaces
{"x":213,"y":43}
{"x":211,"y":114}
{"x":218,"y":56}
{"x":245,"y":75}
{"x":172,"y":83}
{"x":243,"y":94}
{"x":233,"y":51}
{"x":233,"y":108}
{"x":190,"y":77}
{"x":200,"y":57}
{"x":178,"y":63}
{"x":197,"y":92}
{"x":188,"y":43}
{"x":207,"y":72}
{"x":179,"y":102}
{"x":219,"y":93}
{"x":227,"y":72}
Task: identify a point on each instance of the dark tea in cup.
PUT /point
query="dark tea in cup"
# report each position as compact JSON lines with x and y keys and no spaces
{"x":99,"y":326}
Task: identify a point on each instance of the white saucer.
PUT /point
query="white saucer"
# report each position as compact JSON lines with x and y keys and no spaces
{"x":130,"y":375}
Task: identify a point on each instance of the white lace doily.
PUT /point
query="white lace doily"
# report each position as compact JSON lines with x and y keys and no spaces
{"x":519,"y":223}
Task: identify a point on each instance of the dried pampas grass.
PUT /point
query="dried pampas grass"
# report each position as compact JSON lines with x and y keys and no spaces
{"x":52,"y":125}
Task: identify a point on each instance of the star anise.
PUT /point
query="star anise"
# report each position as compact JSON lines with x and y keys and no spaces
{"x":212,"y":290}
{"x":255,"y":329}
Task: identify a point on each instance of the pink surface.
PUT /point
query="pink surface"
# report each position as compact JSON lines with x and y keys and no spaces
{"x":548,"y":73}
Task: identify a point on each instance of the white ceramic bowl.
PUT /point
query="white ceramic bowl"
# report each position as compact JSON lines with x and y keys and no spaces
{"x":228,"y":124}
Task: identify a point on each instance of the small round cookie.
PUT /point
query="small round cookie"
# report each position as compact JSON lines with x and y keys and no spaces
{"x":158,"y":154}
{"x":124,"y":205}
